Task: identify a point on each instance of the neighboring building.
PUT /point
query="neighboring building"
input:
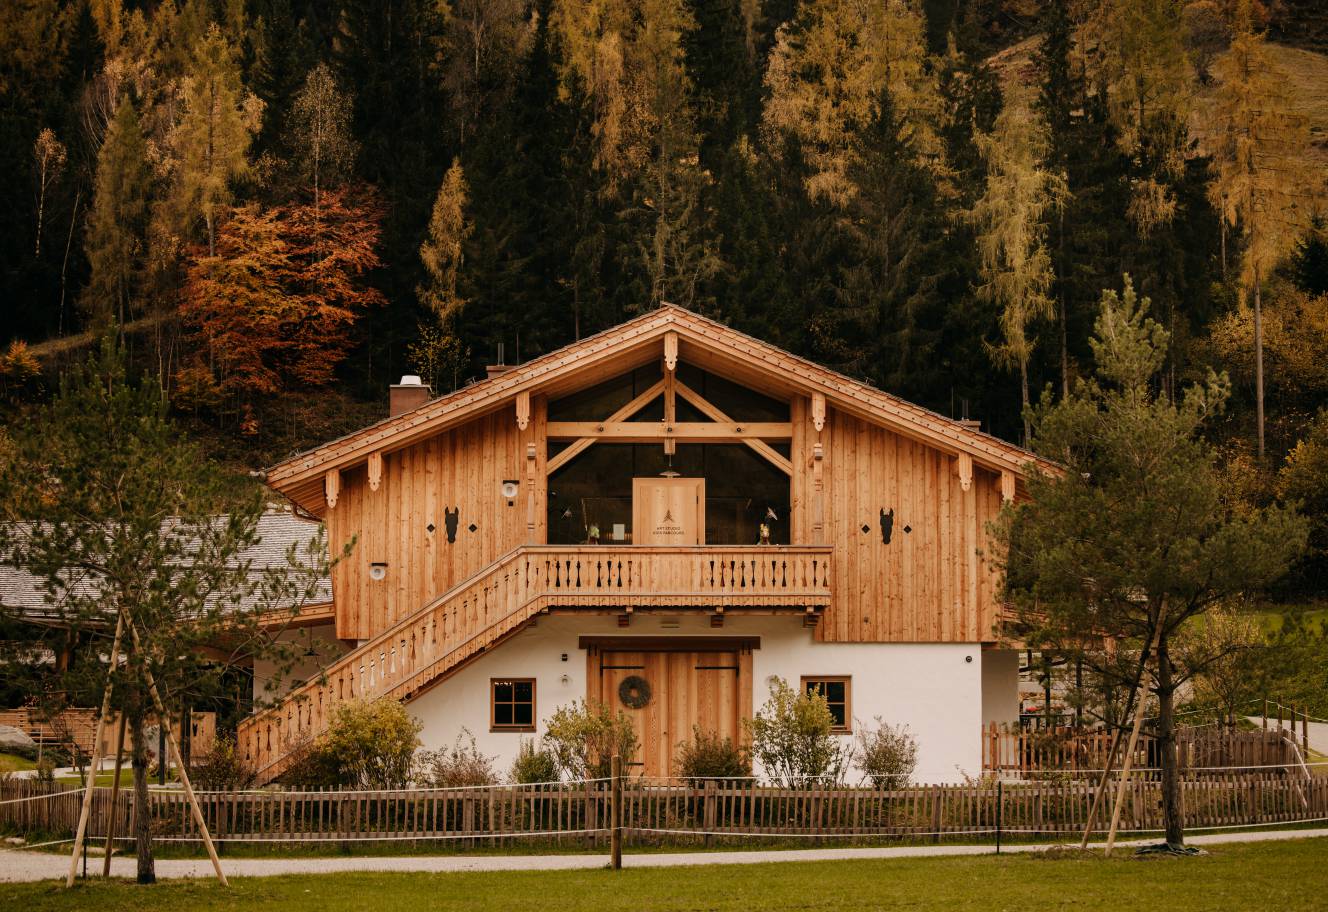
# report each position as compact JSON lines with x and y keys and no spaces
{"x":587,"y":525}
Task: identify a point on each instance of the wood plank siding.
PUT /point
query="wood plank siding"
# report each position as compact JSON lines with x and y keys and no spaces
{"x":459,"y":470}
{"x":935,"y":581}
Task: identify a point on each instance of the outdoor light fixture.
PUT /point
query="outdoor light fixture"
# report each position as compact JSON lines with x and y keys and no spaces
{"x":378,"y":570}
{"x":509,"y":490}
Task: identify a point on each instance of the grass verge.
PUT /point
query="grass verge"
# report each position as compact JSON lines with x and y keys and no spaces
{"x":1287,"y":876}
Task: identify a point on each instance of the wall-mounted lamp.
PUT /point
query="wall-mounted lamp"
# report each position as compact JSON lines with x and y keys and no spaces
{"x":566,"y":679}
{"x":509,"y":490}
{"x":378,"y":570}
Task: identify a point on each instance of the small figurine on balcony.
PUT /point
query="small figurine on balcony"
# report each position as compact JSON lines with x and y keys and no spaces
{"x":764,"y":534}
{"x":592,"y":534}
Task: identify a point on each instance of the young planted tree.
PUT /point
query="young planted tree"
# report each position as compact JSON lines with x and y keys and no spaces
{"x":1262,"y":185}
{"x":1133,"y":540}
{"x":1010,"y":216}
{"x":117,"y":225}
{"x":122,"y":521}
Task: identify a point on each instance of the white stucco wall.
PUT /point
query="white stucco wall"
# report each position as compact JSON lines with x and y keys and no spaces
{"x":1000,"y":687}
{"x":323,"y":639}
{"x":931,"y":688}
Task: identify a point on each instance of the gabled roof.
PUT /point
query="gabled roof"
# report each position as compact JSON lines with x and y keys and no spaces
{"x":703,"y":341}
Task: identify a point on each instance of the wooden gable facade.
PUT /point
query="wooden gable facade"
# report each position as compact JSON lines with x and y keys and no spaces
{"x":894,"y":498}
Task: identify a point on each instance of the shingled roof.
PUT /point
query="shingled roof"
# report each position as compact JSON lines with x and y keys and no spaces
{"x":278,"y":529}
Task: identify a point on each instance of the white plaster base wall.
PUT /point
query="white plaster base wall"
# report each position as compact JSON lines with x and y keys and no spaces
{"x":932,"y":688}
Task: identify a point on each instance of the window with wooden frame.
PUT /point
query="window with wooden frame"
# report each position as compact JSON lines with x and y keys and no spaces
{"x":512,"y":704}
{"x":838,"y":696}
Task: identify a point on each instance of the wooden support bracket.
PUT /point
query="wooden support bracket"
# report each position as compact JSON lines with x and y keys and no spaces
{"x":1007,"y":486}
{"x":375,"y":470}
{"x":818,"y":411}
{"x":332,"y":486}
{"x":671,"y":351}
{"x":523,"y":409}
{"x":965,"y":466}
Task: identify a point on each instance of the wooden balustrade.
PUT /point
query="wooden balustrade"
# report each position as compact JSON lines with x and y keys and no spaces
{"x":443,"y":635}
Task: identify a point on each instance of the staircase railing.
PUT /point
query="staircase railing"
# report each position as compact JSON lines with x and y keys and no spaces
{"x":498,"y":601}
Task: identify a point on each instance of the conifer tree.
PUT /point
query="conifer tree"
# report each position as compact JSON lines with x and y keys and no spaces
{"x":118,"y":222}
{"x":824,"y":75}
{"x":1261,"y":183}
{"x":1137,"y":535}
{"x":1021,"y":192}
{"x":116,"y":514}
{"x":213,"y":137}
{"x":443,"y":255}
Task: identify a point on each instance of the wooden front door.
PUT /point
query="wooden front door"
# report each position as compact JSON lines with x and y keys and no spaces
{"x":668,"y":511}
{"x":684,"y":689}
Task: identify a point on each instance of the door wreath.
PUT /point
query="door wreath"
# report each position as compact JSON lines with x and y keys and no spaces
{"x":634,"y":691}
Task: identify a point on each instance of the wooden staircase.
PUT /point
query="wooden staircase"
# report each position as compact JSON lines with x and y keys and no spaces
{"x":443,"y":636}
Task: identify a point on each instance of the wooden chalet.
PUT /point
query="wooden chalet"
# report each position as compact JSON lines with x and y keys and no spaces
{"x":665,"y":517}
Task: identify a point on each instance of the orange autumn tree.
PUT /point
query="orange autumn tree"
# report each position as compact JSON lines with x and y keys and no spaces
{"x":274,"y":308}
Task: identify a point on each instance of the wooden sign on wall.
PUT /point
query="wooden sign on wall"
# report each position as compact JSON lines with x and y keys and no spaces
{"x":668,"y":511}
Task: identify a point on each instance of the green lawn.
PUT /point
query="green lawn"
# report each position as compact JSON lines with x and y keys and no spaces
{"x":1282,"y":876}
{"x":10,"y":763}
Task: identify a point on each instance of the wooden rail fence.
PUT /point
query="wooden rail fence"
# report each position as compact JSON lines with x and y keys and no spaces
{"x":671,"y":813}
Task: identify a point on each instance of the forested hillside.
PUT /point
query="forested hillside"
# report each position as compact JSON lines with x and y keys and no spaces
{"x":283,"y":205}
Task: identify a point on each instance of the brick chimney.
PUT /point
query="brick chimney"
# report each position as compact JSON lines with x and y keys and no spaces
{"x":972,"y":424}
{"x":497,"y":370}
{"x":409,"y":394}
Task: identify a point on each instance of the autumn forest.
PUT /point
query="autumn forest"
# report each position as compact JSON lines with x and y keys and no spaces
{"x":281,"y":206}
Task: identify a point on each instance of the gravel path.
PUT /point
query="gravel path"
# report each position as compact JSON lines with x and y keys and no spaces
{"x":28,"y":866}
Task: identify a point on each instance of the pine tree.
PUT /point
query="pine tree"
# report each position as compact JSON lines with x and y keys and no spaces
{"x":1137,"y":536}
{"x":1259,"y":155}
{"x":889,"y":285}
{"x":116,"y":514}
{"x":117,"y":224}
{"x":213,"y":137}
{"x":1021,"y":193}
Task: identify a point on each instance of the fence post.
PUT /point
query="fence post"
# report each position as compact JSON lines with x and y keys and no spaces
{"x":616,"y":814}
{"x":1000,"y":804}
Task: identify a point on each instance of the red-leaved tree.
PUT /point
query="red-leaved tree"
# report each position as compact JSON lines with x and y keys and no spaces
{"x":275,"y":307}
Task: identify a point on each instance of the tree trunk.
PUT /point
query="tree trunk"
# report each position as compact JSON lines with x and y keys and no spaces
{"x":1023,"y":399}
{"x":147,"y":869}
{"x":1166,"y":745}
{"x":1258,"y":359}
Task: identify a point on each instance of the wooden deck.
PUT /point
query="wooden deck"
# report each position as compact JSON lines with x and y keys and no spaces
{"x":441,"y":637}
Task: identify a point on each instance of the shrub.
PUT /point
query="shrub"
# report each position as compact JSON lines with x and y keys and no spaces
{"x":887,"y":754}
{"x":45,"y":770}
{"x":221,"y":768}
{"x":583,"y":739}
{"x":709,"y":756}
{"x":370,"y":744}
{"x":793,"y":739}
{"x":534,"y":763}
{"x":459,"y":766}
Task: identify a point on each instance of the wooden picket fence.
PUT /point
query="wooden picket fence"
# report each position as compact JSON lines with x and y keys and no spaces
{"x":668,"y":812}
{"x":1015,"y":751}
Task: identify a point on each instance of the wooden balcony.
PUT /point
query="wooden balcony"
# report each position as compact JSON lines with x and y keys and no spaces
{"x":686,"y":576}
